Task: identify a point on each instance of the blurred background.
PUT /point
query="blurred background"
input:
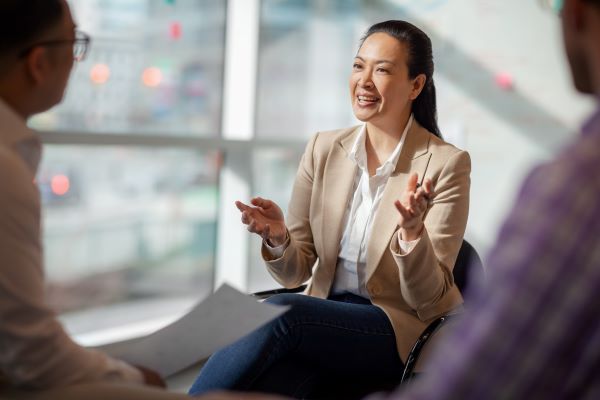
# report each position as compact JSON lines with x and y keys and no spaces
{"x":183,"y":106}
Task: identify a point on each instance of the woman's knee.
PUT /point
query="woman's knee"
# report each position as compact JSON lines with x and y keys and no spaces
{"x":300,"y":307}
{"x":287,"y":299}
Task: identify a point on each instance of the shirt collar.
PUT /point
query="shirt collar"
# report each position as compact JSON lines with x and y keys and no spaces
{"x":358,"y":154}
{"x":15,"y":135}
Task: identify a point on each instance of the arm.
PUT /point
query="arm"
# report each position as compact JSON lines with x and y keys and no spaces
{"x":294,"y":267}
{"x":426,"y":269}
{"x":34,"y":349}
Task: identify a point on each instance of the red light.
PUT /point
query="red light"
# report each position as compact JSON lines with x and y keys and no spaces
{"x":504,"y":81}
{"x":60,"y":185}
{"x":152,"y":77}
{"x":100,"y":73}
{"x":175,"y":31}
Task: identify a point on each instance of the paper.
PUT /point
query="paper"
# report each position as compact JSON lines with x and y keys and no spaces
{"x":213,"y":323}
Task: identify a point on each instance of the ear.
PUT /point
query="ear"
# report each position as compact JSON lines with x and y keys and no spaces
{"x":418,"y":85}
{"x":36,"y":63}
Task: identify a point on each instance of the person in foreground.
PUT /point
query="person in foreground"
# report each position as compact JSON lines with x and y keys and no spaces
{"x":381,"y":210}
{"x":534,"y":329}
{"x":38,"y":44}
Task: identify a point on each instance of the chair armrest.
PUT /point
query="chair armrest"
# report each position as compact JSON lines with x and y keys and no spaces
{"x":268,"y":293}
{"x":415,"y":352}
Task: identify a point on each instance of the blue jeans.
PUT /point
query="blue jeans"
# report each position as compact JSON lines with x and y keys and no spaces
{"x":317,"y":340}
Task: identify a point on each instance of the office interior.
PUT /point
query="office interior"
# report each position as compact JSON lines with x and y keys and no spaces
{"x":184,"y":106}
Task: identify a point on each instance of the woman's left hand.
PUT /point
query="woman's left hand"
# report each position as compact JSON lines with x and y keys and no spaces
{"x":412,"y":207}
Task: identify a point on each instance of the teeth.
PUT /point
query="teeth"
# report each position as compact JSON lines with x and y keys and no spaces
{"x":366,"y":98}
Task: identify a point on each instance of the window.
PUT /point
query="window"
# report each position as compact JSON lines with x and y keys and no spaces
{"x":495,"y":95}
{"x":154,"y":67}
{"x":147,"y":153}
{"x":125,"y":224}
{"x":129,"y":184}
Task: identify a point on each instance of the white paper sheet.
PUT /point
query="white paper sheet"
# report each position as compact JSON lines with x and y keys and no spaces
{"x":215,"y":322}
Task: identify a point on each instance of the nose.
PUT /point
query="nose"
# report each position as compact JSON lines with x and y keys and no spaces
{"x":365,"y":79}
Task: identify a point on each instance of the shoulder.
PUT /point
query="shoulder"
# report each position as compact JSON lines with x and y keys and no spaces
{"x":442,"y":148}
{"x":444,"y":155}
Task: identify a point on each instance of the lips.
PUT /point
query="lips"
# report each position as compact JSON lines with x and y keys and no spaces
{"x":367,"y":99}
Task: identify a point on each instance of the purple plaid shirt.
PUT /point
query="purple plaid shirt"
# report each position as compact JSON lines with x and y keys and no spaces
{"x":533,"y":328}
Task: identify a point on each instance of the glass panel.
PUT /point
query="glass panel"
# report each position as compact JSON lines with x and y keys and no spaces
{"x":495,"y":95}
{"x":154,"y":66}
{"x":127,"y":224}
{"x":306,"y":53}
{"x":274,"y":171}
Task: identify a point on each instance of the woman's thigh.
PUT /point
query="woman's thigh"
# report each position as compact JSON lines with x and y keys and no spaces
{"x":339,"y":336}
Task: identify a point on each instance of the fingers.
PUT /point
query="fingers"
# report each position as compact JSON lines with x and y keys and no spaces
{"x":412,"y":201}
{"x":254,"y":226}
{"x":260,"y":215}
{"x":425,"y":191}
{"x":428,"y":187}
{"x":245,"y":217}
{"x":241,"y":206}
{"x":404,"y":212}
{"x":415,"y":201}
{"x":260,"y":202}
{"x":411,"y":186}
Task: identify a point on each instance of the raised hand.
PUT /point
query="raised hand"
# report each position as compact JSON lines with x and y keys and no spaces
{"x":412,"y":207}
{"x":264,"y":218}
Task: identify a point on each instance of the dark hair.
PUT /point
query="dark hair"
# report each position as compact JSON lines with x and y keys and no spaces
{"x":420,"y":61}
{"x":24,"y":21}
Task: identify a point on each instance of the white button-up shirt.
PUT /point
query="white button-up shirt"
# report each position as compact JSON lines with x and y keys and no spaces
{"x":359,"y":216}
{"x":35,"y":351}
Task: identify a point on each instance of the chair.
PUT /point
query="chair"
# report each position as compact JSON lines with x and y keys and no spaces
{"x":467,"y":262}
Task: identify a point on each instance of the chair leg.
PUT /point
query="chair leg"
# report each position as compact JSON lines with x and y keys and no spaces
{"x":415,"y":352}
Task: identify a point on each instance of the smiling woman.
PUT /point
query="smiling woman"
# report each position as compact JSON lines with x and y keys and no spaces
{"x":377,"y":216}
{"x":405,"y":72}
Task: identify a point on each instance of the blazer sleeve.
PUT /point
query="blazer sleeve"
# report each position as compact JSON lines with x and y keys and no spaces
{"x":426,"y":270}
{"x":294,"y":267}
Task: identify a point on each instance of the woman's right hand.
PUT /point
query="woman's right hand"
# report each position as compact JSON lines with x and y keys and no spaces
{"x":264,"y":218}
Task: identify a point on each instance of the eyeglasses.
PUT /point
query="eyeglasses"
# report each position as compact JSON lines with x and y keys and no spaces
{"x":555,"y":6}
{"x":80,"y":44}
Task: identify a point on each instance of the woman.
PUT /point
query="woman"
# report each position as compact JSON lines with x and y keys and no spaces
{"x":376,"y":218}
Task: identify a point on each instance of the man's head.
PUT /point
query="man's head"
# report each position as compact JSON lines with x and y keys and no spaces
{"x":36,"y":53}
{"x":581,"y":34}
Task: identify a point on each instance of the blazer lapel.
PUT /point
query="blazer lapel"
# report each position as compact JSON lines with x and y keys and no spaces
{"x":413,"y":158}
{"x":338,"y":179}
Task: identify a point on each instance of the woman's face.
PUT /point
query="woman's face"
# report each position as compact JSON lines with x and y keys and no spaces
{"x":380,"y":87}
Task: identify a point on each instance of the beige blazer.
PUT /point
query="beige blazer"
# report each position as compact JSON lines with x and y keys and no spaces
{"x":413,"y":288}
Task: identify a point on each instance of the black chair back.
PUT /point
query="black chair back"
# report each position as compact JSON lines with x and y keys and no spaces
{"x":467,"y":262}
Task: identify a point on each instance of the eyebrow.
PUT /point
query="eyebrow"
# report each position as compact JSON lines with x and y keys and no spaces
{"x":377,"y":61}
